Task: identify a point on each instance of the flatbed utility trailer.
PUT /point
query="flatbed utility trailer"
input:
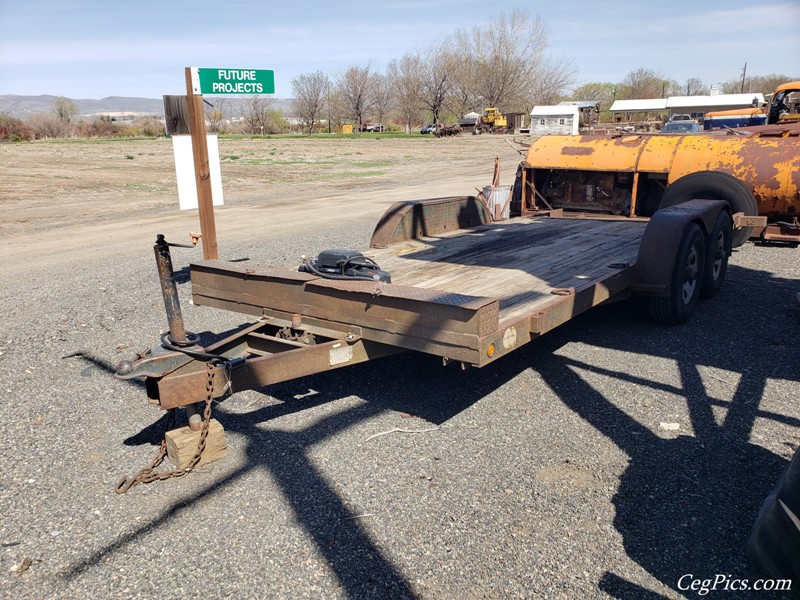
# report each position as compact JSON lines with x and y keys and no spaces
{"x":462,"y":288}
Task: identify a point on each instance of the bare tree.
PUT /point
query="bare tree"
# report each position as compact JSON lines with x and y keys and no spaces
{"x":383,"y":97}
{"x":550,"y":81}
{"x":311,"y":91}
{"x":48,"y":126}
{"x":216,"y":113}
{"x":511,"y":65}
{"x":646,"y":83}
{"x":256,"y":115}
{"x":337,"y":108}
{"x":405,"y":75}
{"x":436,"y":81}
{"x":695,"y":87}
{"x":355,"y":88}
{"x":463,"y":93}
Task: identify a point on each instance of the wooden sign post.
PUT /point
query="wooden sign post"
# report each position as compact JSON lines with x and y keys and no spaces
{"x":202,"y":172}
{"x":215,"y":81}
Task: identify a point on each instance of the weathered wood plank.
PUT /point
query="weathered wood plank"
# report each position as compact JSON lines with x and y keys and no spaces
{"x":519,"y":267}
{"x":182,"y":445}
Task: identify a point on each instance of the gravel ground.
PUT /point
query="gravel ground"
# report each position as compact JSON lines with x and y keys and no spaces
{"x":607,"y":459}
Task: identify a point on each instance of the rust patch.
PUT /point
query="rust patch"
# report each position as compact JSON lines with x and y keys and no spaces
{"x":577,"y":150}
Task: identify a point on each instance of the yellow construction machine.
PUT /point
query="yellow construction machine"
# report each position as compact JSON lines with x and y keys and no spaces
{"x":492,"y":121}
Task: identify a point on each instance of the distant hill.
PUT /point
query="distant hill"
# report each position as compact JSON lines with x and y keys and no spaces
{"x":21,"y":107}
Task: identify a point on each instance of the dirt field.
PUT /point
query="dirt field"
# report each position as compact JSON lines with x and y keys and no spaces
{"x":609,"y":459}
{"x":85,"y":195}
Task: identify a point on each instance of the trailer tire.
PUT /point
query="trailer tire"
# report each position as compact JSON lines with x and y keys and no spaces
{"x":718,"y":250}
{"x":711,"y":185}
{"x":686,"y":280}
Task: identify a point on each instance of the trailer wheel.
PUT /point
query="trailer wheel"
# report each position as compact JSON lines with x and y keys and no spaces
{"x":717,"y":253}
{"x":710,"y":185}
{"x":687,"y":279}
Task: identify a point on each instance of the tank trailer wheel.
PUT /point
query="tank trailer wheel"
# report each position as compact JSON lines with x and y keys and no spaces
{"x":687,"y":279}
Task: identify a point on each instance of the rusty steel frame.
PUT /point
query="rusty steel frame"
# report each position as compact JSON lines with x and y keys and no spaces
{"x":782,"y":232}
{"x":258,"y":357}
{"x":411,"y":220}
{"x":770,"y":232}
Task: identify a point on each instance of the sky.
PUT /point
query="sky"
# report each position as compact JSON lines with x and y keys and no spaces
{"x":87,"y":49}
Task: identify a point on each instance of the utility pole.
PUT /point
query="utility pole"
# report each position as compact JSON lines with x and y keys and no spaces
{"x":744,"y":72}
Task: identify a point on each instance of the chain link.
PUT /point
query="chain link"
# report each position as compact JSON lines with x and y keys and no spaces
{"x":149,"y":474}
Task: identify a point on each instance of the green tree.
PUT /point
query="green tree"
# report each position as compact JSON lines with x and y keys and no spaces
{"x":604,"y":92}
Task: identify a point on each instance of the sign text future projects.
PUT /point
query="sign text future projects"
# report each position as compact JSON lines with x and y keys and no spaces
{"x":232,"y":81}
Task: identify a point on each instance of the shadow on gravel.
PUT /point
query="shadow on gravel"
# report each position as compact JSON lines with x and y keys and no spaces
{"x":361,"y":568}
{"x":101,"y":364}
{"x":687,"y":505}
{"x":684,"y":505}
{"x":619,"y":587}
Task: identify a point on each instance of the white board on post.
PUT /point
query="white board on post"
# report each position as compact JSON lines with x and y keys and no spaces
{"x":184,"y":169}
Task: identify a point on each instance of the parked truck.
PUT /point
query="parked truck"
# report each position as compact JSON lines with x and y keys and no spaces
{"x":757,"y":175}
{"x":783,"y":107}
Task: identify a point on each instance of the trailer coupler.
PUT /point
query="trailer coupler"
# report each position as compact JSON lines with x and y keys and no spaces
{"x":259,"y":355}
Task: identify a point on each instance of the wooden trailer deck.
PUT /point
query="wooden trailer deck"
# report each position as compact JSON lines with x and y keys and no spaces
{"x":468,"y":295}
{"x":520,"y":262}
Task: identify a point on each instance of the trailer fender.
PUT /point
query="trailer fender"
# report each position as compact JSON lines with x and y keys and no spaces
{"x":413,"y":219}
{"x":714,"y":185}
{"x":652,"y":274}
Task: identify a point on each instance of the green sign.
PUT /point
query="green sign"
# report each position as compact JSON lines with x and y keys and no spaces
{"x":232,"y":81}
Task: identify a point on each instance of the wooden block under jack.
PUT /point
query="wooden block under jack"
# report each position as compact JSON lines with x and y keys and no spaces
{"x":182,"y":444}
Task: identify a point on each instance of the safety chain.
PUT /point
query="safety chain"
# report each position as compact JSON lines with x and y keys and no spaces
{"x":148,"y":474}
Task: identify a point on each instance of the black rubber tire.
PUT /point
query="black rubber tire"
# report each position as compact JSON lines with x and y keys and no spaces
{"x":718,"y":250}
{"x":711,"y":185}
{"x":774,"y":546}
{"x":687,"y":279}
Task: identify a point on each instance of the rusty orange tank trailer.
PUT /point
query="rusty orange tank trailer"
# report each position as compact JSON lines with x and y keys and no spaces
{"x":636,"y":175}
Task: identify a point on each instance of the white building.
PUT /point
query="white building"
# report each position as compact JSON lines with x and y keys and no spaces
{"x":555,"y":120}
